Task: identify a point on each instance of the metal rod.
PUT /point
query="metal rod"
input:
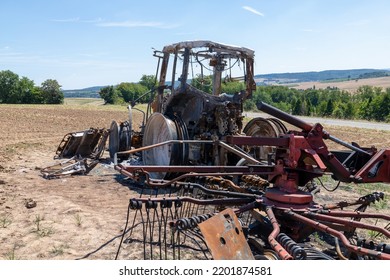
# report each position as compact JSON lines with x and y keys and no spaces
{"x":338,"y":234}
{"x":164,"y":143}
{"x":249,"y":158}
{"x":272,"y":237}
{"x":283,"y":116}
{"x":347,"y":145}
{"x":239,"y":153}
{"x":351,"y":223}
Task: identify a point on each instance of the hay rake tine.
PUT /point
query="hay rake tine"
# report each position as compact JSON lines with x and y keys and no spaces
{"x":124,"y":231}
{"x":202,"y":240}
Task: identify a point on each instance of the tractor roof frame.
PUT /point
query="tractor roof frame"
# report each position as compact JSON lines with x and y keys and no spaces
{"x":216,"y":52}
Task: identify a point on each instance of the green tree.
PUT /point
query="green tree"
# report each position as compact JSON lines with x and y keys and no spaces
{"x":349,"y":110}
{"x":133,"y":91}
{"x":148,"y":81}
{"x":339,"y":112}
{"x":381,"y":106}
{"x":312,"y":95}
{"x":110,"y":95}
{"x":232,"y":87}
{"x":203,"y":83}
{"x":9,"y":91}
{"x":297,"y":108}
{"x":51,"y":91}
{"x":249,"y":105}
{"x":329,"y":108}
{"x":28,"y":92}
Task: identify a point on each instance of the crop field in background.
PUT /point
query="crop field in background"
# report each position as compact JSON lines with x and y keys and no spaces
{"x":350,"y":85}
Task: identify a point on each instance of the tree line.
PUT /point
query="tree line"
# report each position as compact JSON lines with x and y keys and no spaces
{"x":16,"y":90}
{"x":367,"y":103}
{"x":126,"y":92}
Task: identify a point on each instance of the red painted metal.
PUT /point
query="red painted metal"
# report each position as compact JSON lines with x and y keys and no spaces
{"x":291,"y":199}
{"x":283,"y":254}
{"x":339,"y":235}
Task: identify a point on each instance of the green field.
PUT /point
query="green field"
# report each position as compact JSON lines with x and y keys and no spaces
{"x":83,"y":101}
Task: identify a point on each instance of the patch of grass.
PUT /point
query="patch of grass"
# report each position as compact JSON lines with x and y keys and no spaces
{"x":5,"y":220}
{"x":372,"y":234}
{"x":78,"y":219}
{"x":318,"y":239}
{"x":37,"y":221}
{"x":11,"y":254}
{"x":58,"y":250}
{"x":42,"y":231}
{"x":381,"y":204}
{"x":47,"y":231}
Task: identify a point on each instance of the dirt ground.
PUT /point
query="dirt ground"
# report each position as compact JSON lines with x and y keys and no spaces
{"x":73,"y":215}
{"x":79,"y":216}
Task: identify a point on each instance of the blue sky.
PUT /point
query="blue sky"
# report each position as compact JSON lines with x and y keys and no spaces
{"x":83,"y":43}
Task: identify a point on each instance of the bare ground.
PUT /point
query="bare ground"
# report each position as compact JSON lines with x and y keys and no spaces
{"x":73,"y":215}
{"x":80,"y":216}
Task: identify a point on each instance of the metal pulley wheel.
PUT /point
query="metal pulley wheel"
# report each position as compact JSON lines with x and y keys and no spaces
{"x":160,"y":129}
{"x":119,"y":138}
{"x":263,"y":127}
{"x":125,"y":136}
{"x":113,"y":140}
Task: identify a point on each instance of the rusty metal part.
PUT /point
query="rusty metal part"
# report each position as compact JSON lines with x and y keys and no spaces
{"x":88,"y":143}
{"x":339,"y":235}
{"x":82,"y":151}
{"x":119,"y":137}
{"x":255,"y":181}
{"x":215,"y":201}
{"x":263,"y":127}
{"x":354,"y":214}
{"x":160,"y":129}
{"x":348,"y":223}
{"x":225,"y":183}
{"x":141,"y":173}
{"x":282,"y":253}
{"x":362,"y":201}
{"x":214,"y":52}
{"x":72,"y":166}
{"x":338,"y":249}
{"x":225,"y":238}
{"x":298,"y":197}
{"x":377,"y":169}
{"x":296,"y":251}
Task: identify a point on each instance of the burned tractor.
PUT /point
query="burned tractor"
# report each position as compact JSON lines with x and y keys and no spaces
{"x":212,"y":188}
{"x":182,"y":111}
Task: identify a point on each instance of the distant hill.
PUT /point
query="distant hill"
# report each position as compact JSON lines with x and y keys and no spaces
{"x":327,"y":75}
{"x":90,"y":92}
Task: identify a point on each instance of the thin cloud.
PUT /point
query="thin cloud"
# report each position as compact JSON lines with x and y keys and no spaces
{"x":77,"y":19}
{"x":253,"y":11}
{"x":93,"y":20}
{"x":135,"y":24}
{"x":67,"y":20}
